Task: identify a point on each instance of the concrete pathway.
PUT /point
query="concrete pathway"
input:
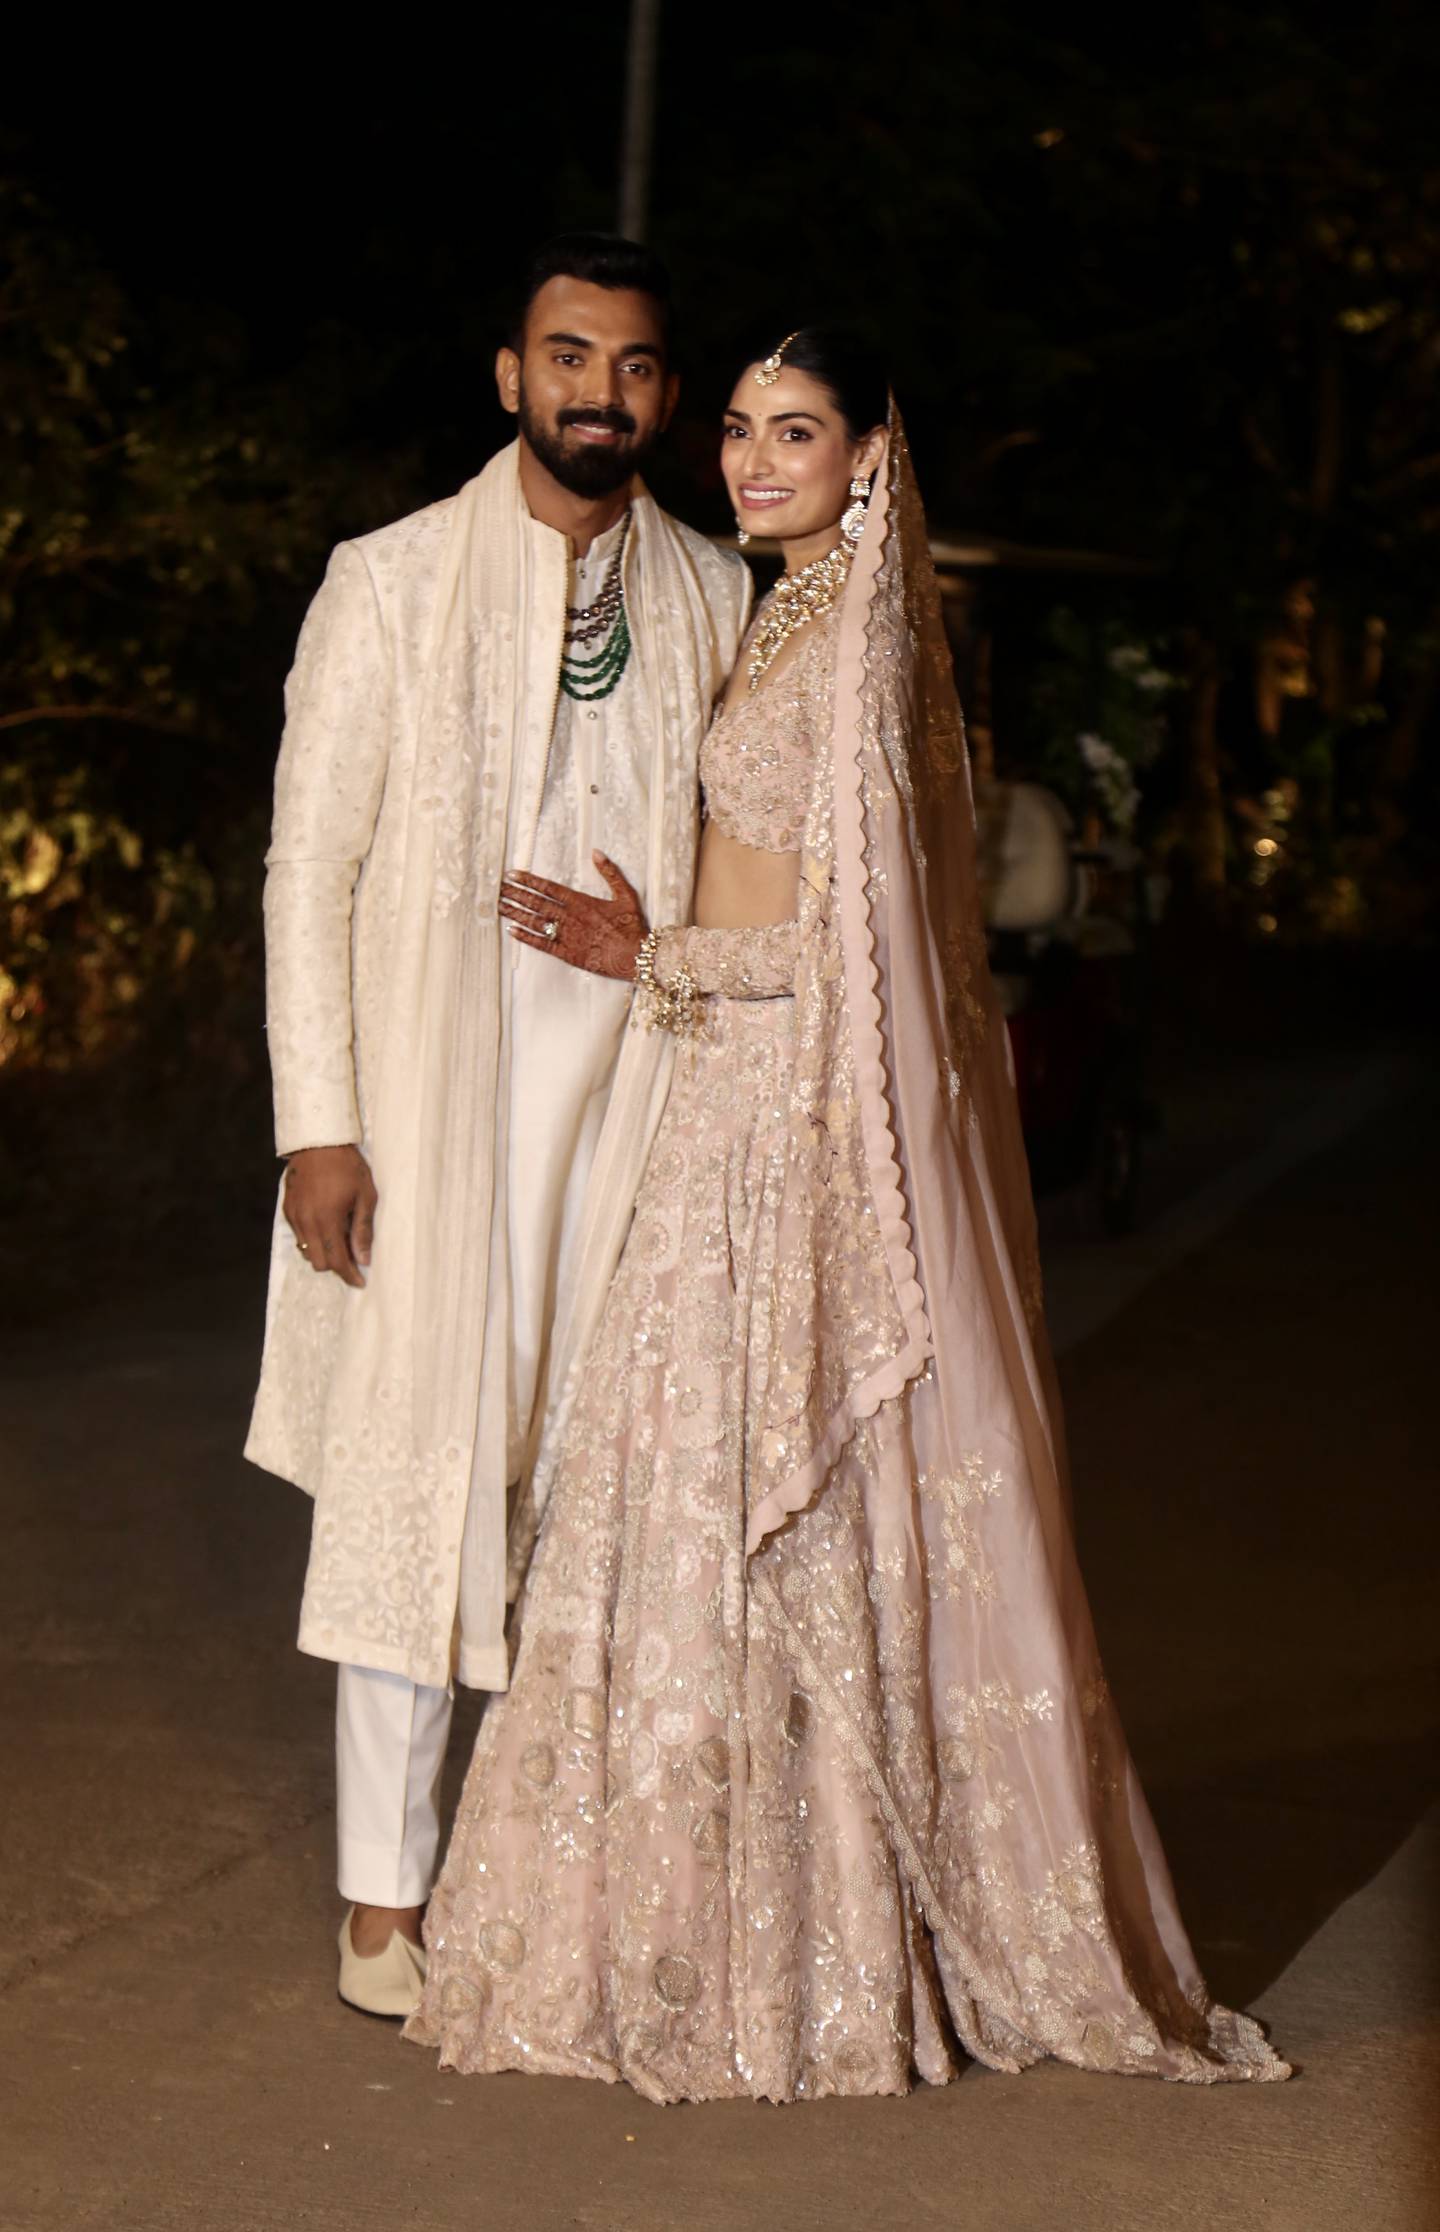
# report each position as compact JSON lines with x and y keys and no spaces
{"x":1247,"y":1386}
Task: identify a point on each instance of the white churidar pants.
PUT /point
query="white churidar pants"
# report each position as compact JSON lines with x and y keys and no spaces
{"x":390,"y":1737}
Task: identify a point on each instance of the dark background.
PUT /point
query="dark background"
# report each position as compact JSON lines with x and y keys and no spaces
{"x":1159,"y":293}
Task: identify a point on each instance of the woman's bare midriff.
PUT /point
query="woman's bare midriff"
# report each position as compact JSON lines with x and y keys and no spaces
{"x":742,"y":888}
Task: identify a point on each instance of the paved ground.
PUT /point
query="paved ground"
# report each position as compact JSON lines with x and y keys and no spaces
{"x":1256,"y":1484}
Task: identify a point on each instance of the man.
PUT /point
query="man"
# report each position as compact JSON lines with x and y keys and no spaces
{"x":514,"y":679}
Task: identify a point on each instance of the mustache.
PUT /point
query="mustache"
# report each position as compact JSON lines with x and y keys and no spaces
{"x":617,"y":421}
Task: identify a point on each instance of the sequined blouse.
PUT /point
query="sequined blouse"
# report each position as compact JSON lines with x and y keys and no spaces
{"x":756,"y":760}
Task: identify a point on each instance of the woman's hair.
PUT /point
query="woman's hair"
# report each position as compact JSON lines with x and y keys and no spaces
{"x":851,"y":371}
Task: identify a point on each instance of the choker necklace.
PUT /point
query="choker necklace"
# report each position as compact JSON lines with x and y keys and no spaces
{"x":585,"y":674}
{"x":795,"y":599}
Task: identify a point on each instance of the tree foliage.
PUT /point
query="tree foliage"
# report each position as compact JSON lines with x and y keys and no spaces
{"x":1163,"y":286}
{"x":159,"y":523}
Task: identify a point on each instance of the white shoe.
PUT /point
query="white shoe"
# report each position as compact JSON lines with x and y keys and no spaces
{"x":386,"y":1983}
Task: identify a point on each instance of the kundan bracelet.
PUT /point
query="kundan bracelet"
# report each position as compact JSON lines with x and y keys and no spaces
{"x":675,"y":1007}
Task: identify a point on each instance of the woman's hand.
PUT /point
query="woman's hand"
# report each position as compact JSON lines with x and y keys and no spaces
{"x":601,"y":935}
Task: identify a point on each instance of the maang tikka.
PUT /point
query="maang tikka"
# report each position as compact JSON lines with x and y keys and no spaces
{"x":769,"y":372}
{"x":852,"y":523}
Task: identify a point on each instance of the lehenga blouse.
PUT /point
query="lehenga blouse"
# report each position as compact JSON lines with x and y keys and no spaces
{"x":757,"y":764}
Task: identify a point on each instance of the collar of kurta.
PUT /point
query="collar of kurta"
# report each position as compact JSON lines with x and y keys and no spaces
{"x":554,"y":539}
{"x":603,"y":548}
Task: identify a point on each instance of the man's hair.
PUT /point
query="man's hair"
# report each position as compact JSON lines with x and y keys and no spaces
{"x":602,"y":260}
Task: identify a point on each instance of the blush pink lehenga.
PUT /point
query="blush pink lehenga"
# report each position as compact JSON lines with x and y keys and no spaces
{"x":807,"y":1778}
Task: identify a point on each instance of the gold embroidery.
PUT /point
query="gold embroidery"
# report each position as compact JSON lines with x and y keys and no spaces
{"x":537,"y":1765}
{"x":962,"y":1565}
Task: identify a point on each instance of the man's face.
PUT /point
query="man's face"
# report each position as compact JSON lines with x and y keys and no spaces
{"x":590,"y":386}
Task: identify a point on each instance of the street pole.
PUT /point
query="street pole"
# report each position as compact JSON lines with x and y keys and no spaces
{"x":639,"y":131}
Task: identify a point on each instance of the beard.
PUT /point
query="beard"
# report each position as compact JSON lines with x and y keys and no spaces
{"x":583,"y":470}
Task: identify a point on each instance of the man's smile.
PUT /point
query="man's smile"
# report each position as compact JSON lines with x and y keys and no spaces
{"x":602,"y":428}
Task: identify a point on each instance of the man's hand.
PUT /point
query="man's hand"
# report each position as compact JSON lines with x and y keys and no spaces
{"x":601,"y":935}
{"x":330,"y":1202}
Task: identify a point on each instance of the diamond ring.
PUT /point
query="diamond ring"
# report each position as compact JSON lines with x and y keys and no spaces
{"x":551,"y":929}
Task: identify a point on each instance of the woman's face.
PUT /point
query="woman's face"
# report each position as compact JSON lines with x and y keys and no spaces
{"x":788,"y":457}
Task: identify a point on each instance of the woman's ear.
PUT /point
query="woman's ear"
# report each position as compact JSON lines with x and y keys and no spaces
{"x":871,"y":450}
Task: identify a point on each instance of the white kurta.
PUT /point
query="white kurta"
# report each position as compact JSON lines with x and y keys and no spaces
{"x":421,"y":717}
{"x":561,"y":1032}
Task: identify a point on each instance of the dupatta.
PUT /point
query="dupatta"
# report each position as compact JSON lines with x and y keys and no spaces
{"x":909,"y":1443}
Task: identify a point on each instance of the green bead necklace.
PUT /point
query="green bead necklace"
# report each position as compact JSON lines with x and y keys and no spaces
{"x":586,"y":674}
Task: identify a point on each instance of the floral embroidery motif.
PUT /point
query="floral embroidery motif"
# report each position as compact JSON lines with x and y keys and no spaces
{"x":961,"y":1566}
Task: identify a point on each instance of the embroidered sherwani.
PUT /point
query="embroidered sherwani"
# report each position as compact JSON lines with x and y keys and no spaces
{"x":419,"y":744}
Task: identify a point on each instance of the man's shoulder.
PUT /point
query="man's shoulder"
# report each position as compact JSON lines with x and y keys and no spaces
{"x":407,"y":548}
{"x":721,"y":571}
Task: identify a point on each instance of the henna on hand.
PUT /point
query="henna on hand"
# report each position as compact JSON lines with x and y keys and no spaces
{"x":601,"y":936}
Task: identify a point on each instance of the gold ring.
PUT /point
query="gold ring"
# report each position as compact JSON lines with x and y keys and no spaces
{"x":303,"y":1246}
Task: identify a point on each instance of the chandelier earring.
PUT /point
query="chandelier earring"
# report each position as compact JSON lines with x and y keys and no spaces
{"x":852,"y":524}
{"x":742,"y":534}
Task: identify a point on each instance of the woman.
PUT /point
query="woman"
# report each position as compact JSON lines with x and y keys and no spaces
{"x":808,"y":1770}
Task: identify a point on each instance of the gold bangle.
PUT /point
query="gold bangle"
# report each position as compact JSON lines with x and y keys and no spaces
{"x":677,"y":1006}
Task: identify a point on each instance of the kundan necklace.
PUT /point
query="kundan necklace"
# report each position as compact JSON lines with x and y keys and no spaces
{"x":795,"y":599}
{"x":588,"y":674}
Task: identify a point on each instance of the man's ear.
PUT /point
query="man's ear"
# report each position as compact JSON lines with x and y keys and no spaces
{"x":672,"y":397}
{"x":507,"y":380}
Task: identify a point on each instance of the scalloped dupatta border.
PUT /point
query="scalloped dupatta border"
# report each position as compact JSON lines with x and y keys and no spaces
{"x":862,"y":987}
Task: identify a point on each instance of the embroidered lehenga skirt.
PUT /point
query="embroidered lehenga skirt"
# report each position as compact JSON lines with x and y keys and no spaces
{"x":709,"y":1832}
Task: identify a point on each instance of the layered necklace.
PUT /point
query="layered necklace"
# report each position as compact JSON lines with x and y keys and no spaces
{"x":796,"y":599}
{"x":584,"y":673}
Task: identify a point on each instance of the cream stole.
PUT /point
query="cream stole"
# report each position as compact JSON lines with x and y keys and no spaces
{"x":401,"y":1412}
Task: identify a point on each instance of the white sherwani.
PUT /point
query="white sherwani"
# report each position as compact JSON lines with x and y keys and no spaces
{"x":421,"y":724}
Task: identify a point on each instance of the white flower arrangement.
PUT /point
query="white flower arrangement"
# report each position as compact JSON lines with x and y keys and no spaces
{"x":1114,"y":780}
